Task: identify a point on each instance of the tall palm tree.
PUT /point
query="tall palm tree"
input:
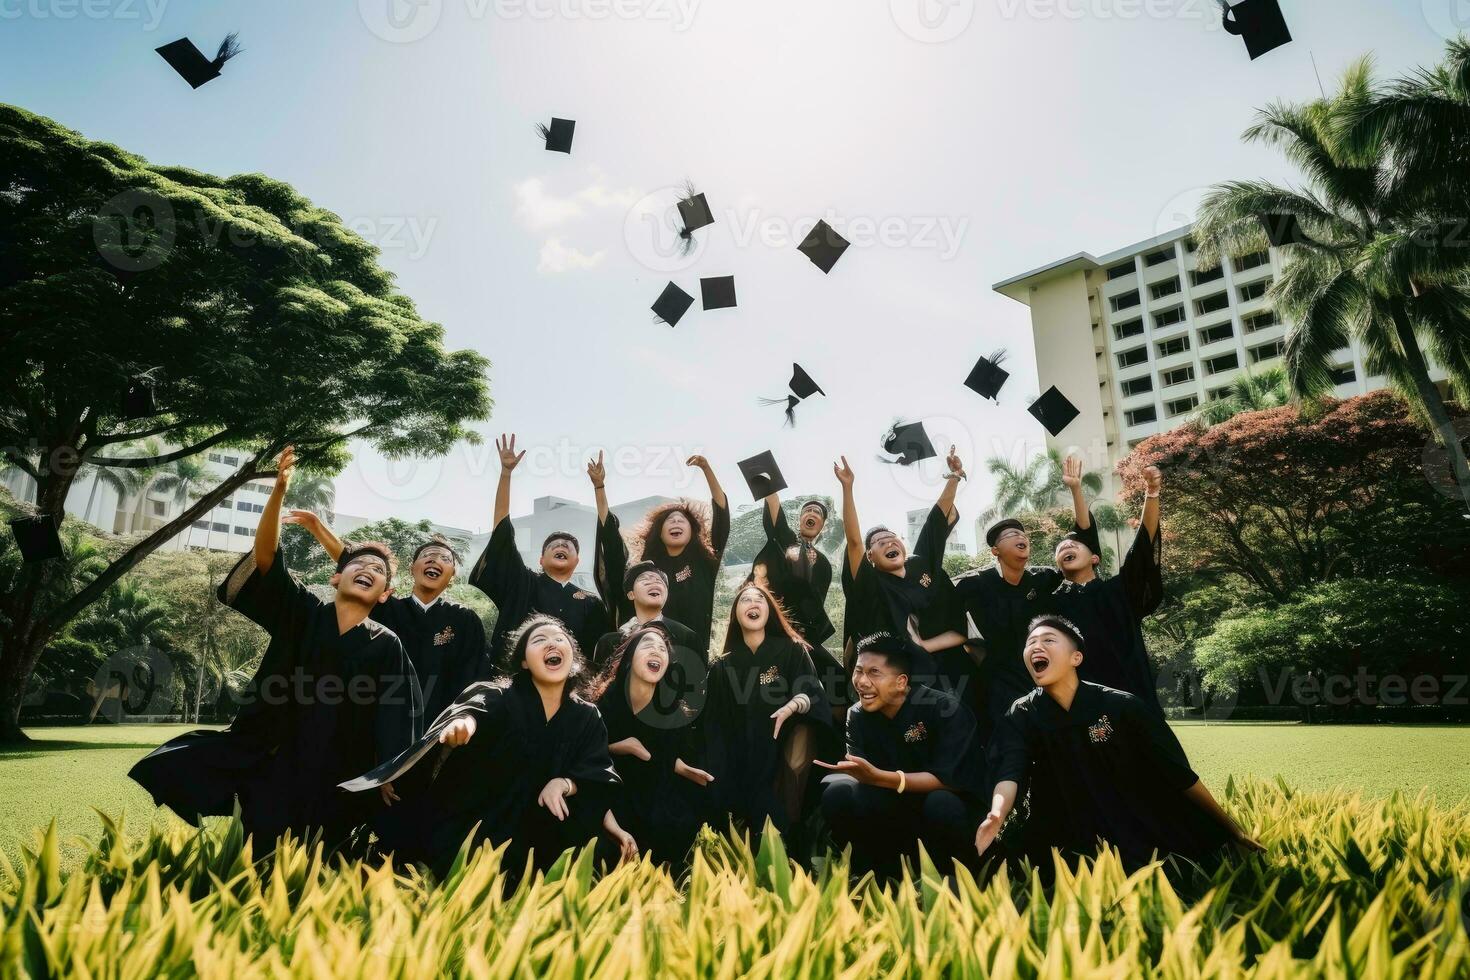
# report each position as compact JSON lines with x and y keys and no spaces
{"x":1376,"y":263}
{"x":309,"y":491}
{"x":185,"y":480}
{"x":1034,"y":486}
{"x":1248,"y":393}
{"x":122,"y":480}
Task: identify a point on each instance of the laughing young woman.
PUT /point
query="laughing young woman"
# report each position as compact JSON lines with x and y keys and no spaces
{"x":526,"y":761}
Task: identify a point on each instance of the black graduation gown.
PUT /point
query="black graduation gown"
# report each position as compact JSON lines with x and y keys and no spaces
{"x":495,"y":778}
{"x":932,"y":732}
{"x":321,"y":707}
{"x":518,"y":592}
{"x":1108,"y":769}
{"x":752,"y":779}
{"x":692,"y":576}
{"x":609,"y":642}
{"x":802,"y":585}
{"x":661,"y":809}
{"x":880,"y":601}
{"x":446,"y":643}
{"x":1001,"y":612}
{"x":1110,"y":612}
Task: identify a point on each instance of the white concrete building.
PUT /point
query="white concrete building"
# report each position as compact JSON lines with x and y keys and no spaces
{"x":1140,"y":337}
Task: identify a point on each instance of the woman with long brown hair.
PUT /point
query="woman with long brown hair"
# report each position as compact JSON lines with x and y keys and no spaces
{"x":765,"y":718}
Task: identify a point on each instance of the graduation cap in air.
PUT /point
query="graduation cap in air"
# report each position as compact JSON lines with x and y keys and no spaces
{"x":909,"y":442}
{"x":190,"y":62}
{"x":558,"y":135}
{"x":1284,"y":229}
{"x":987,"y":376}
{"x":717,"y":292}
{"x":1053,"y":411}
{"x":138,"y":401}
{"x":37,"y":537}
{"x":762,"y":475}
{"x":1258,"y":22}
{"x":823,"y":246}
{"x":802,"y":387}
{"x":694,"y":214}
{"x":672,"y":304}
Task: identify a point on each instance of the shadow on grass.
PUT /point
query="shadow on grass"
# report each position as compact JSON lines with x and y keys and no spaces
{"x":40,"y":747}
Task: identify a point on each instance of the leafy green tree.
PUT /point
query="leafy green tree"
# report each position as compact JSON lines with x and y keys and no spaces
{"x":1383,"y":259}
{"x":185,"y":481}
{"x":1248,"y":393}
{"x":258,"y":319}
{"x":314,"y":492}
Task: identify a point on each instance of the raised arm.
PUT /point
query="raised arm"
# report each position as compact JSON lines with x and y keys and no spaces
{"x":1153,"y":483}
{"x":850,"y":526}
{"x":716,"y":492}
{"x":509,"y":459}
{"x":268,"y":537}
{"x":597,"y":473}
{"x":330,"y":543}
{"x":1072,"y":480}
{"x":773,"y":506}
{"x":951,"y":484}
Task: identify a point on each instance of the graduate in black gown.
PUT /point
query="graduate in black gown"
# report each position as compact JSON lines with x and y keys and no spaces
{"x":1100,"y":765}
{"x":1003,"y":599}
{"x":914,"y":768}
{"x":799,"y":576}
{"x":765,"y":717}
{"x":1110,"y":611}
{"x":647,"y":588}
{"x":681,"y":538}
{"x":663,"y":799}
{"x":890,"y":591}
{"x":517,"y":591}
{"x":526,"y":760}
{"x":444,"y":639}
{"x":335,"y":694}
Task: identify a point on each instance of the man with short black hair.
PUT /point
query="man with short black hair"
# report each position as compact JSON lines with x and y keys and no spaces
{"x":647,"y":588}
{"x":517,"y":591}
{"x":913,"y":770}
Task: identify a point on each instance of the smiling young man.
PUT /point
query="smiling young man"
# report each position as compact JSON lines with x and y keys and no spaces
{"x":647,"y":589}
{"x":1110,"y":611}
{"x":335,"y":694}
{"x":913,"y":770}
{"x":519,"y":592}
{"x":887,"y":589}
{"x":444,"y":639}
{"x":1100,"y":765}
{"x":1004,"y":598}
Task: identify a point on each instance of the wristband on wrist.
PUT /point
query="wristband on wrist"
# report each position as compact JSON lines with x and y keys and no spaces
{"x":902,"y":782}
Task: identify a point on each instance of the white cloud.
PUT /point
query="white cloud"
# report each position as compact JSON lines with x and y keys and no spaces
{"x":538,"y":208}
{"x":556,"y":257}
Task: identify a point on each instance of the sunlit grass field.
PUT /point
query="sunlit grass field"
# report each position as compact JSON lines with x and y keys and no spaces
{"x":1366,"y":879}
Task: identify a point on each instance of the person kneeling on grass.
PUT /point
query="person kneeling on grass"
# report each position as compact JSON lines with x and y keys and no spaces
{"x":1101,"y":765}
{"x":914,"y":767}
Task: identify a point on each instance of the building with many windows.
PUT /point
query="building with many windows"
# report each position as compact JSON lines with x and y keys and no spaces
{"x":1138,"y":339}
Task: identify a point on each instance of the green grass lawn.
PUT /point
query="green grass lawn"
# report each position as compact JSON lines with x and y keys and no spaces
{"x":66,"y":772}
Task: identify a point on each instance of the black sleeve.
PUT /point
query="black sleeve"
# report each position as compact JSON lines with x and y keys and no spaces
{"x":855,"y":744}
{"x":484,"y":701}
{"x":474,"y":657}
{"x":1090,"y":534}
{"x":1143,"y":580}
{"x":930,"y":546}
{"x":778,"y":529}
{"x":719,"y":532}
{"x":954,"y":747}
{"x":273,"y":600}
{"x":804,"y":680}
{"x":398,"y":717}
{"x":1009,"y":758}
{"x":609,"y":563}
{"x":502,"y":574}
{"x":1154,"y":736}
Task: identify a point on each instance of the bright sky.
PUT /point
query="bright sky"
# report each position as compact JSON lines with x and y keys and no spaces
{"x":956,"y":142}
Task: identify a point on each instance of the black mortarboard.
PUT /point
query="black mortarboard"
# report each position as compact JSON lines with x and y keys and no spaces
{"x":718,"y":292}
{"x":909,"y":442}
{"x":1053,"y":410}
{"x":762,"y":475}
{"x":802,"y":386}
{"x":1284,"y":229}
{"x":694,"y":212}
{"x":558,"y":135}
{"x":190,"y":62}
{"x":987,"y":376}
{"x":138,"y":400}
{"x":1259,"y":22}
{"x":36,"y":537}
{"x":672,"y":304}
{"x":823,"y":246}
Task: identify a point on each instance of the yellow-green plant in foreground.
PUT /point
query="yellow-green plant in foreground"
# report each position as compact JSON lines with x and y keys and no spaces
{"x":1348,"y":887}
